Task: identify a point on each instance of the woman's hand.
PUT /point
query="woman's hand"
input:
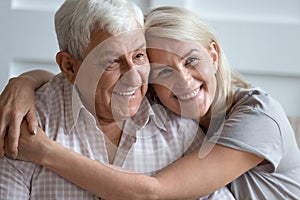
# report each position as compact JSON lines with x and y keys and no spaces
{"x":17,"y":102}
{"x":32,"y":148}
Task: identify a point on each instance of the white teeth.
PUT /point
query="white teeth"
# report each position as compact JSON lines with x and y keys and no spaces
{"x":125,"y":93}
{"x":189,"y":96}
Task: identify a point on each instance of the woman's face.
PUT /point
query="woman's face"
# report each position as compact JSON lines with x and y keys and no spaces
{"x":183,"y":75}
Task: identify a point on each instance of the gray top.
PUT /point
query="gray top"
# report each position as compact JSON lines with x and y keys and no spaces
{"x":257,"y":124}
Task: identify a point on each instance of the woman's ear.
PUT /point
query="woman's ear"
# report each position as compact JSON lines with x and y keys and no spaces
{"x":67,"y":64}
{"x":214,"y":53}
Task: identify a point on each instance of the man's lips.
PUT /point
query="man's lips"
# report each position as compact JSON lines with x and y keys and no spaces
{"x":126,"y":93}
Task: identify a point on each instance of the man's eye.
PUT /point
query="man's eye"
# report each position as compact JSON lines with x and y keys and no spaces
{"x":113,"y":64}
{"x":112,"y":61}
{"x":140,"y":55}
{"x":140,"y":58}
{"x":192,"y":61}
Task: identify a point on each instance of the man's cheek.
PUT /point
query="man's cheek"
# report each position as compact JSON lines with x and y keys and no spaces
{"x":145,"y":72}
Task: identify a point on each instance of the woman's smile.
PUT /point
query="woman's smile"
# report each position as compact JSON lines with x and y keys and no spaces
{"x":188,"y":97}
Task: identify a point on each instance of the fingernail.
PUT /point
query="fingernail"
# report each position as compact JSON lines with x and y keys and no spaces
{"x":34,"y":130}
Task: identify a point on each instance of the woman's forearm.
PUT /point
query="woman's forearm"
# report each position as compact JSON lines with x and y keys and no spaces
{"x":181,"y":181}
{"x":190,"y":177}
{"x":39,"y":77}
{"x":109,"y":182}
{"x":99,"y":179}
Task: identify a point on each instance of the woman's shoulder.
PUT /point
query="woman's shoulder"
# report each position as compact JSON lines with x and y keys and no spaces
{"x":244,"y":94}
{"x":255,"y":106}
{"x":257,"y":99}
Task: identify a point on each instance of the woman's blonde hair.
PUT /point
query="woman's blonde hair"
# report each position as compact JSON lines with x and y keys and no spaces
{"x":183,"y":25}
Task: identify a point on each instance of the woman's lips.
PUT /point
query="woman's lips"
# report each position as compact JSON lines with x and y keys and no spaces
{"x":188,"y":96}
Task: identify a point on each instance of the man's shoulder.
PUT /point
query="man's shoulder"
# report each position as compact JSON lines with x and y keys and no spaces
{"x":53,"y":91}
{"x":54,"y":85}
{"x":50,"y":97}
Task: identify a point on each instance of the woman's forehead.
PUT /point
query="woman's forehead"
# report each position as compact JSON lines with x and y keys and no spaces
{"x":176,"y":47}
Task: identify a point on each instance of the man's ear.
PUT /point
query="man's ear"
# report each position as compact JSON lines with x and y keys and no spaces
{"x":68,"y":65}
{"x":214,"y":54}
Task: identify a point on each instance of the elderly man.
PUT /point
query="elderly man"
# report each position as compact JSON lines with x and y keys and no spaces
{"x":96,"y":106}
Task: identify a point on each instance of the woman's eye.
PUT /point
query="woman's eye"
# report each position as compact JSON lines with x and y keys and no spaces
{"x":165,"y":71}
{"x":192,"y":61}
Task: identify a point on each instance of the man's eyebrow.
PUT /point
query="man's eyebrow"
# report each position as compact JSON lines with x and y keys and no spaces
{"x":142,"y":46}
{"x":189,"y":53}
{"x":111,"y":53}
{"x":115,"y":53}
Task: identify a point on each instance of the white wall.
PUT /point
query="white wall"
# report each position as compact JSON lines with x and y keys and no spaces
{"x":261,"y":39}
{"x":27,"y":37}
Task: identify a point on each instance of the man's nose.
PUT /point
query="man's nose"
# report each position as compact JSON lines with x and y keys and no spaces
{"x":130,"y":74}
{"x":127,"y":64}
{"x":132,"y":78}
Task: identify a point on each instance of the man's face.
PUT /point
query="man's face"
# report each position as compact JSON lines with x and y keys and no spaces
{"x":114,"y":74}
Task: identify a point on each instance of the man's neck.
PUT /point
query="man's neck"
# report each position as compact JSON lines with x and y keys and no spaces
{"x":112,"y":130}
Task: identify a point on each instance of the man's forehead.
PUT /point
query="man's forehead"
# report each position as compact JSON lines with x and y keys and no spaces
{"x":130,"y":40}
{"x":123,"y":43}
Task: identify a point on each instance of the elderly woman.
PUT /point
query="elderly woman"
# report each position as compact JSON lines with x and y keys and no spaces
{"x":249,"y":142}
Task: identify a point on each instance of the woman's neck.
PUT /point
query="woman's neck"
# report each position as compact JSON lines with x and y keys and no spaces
{"x":204,"y":123}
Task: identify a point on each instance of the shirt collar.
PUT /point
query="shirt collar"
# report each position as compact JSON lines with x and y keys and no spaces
{"x":73,"y":105}
{"x":146,"y":114}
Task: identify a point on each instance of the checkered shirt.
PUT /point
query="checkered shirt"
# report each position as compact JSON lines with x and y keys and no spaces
{"x":151,"y":140}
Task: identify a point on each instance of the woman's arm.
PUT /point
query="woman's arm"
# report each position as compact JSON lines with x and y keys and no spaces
{"x":188,"y":178}
{"x":37,"y":77}
{"x":103,"y":180}
{"x":16,"y":102}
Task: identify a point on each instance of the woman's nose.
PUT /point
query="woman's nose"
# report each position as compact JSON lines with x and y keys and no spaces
{"x":184,"y":78}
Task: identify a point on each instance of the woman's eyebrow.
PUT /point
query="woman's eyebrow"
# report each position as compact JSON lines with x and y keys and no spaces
{"x":157,"y":67}
{"x":189,"y":53}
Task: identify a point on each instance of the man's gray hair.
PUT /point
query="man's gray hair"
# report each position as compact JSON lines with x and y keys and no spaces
{"x":76,"y":19}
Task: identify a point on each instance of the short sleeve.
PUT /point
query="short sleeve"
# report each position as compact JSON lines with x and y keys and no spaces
{"x":251,"y":130}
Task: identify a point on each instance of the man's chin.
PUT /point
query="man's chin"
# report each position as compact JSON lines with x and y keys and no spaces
{"x":122,"y":110}
{"x":122,"y":115}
